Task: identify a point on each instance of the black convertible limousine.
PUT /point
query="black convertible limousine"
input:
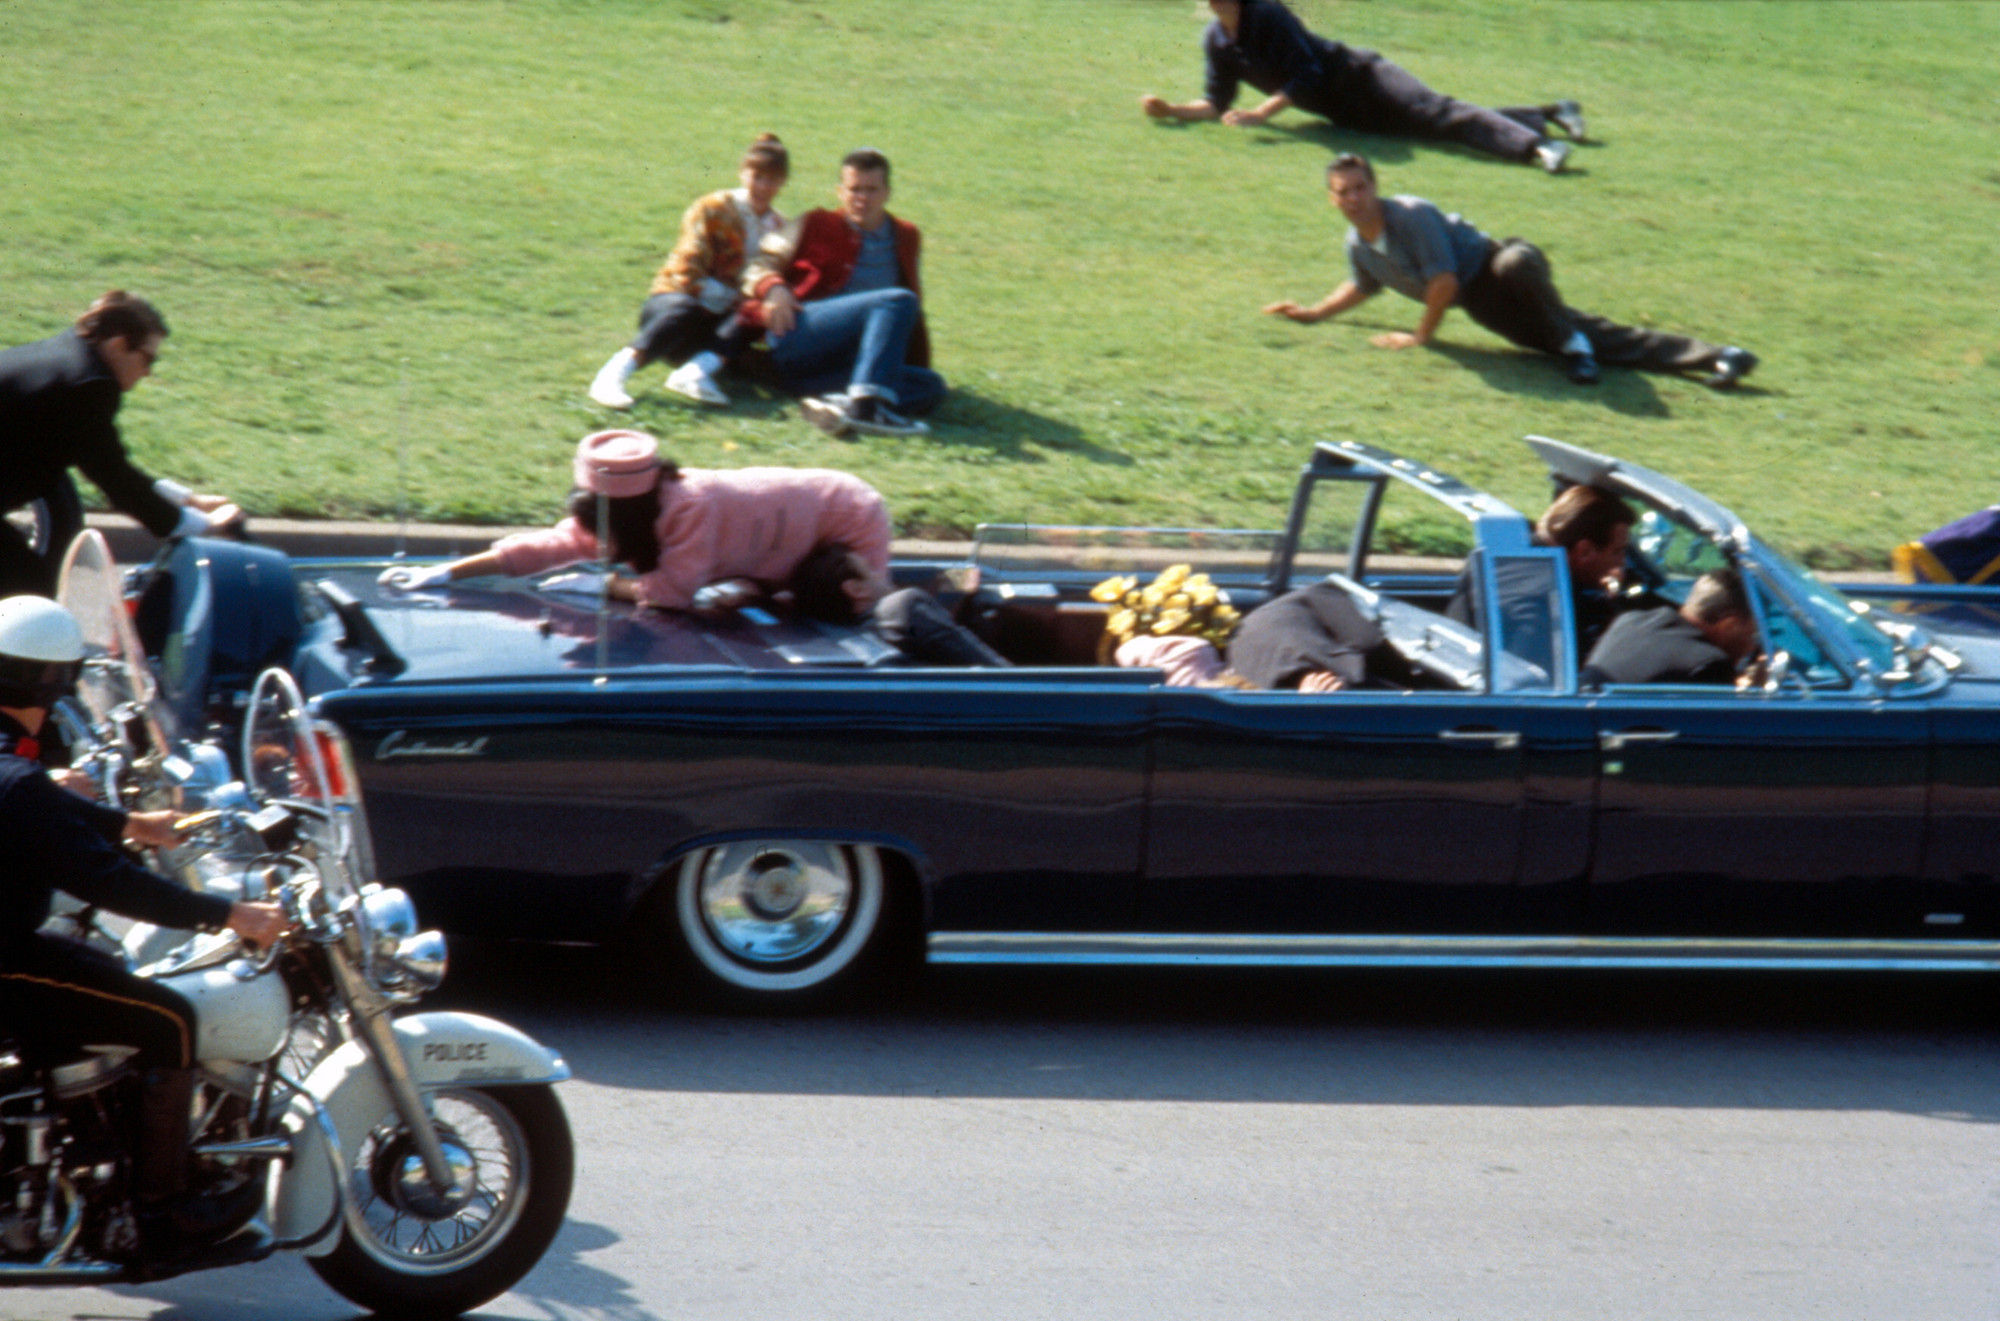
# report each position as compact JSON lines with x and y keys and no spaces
{"x":781,"y":801}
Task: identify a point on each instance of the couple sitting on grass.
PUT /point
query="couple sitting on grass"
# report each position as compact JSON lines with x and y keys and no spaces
{"x":712,"y":541}
{"x":827,"y":306}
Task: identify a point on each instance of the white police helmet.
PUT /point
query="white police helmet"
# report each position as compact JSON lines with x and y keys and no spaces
{"x":41,"y":651}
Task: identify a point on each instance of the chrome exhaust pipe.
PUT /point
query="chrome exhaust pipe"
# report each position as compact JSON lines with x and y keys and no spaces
{"x":278,"y":1147}
{"x":93,"y":1272}
{"x":52,"y":1269}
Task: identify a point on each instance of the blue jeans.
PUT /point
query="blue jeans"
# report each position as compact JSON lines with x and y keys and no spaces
{"x":856,"y":342}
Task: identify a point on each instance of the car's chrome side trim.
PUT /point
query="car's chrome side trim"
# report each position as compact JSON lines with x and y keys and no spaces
{"x":1462,"y":951}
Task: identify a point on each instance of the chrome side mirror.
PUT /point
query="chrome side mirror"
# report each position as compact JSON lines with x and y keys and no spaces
{"x":1777,"y":670}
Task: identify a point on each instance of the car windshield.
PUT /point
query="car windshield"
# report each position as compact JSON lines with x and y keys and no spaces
{"x":1801,"y":614}
{"x":1832,"y":612}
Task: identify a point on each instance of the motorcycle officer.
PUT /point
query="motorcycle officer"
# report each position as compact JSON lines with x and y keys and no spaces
{"x":58,"y":993}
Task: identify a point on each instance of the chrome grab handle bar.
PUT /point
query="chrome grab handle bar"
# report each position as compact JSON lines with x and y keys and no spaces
{"x":1625,"y":738}
{"x":1502,"y":740}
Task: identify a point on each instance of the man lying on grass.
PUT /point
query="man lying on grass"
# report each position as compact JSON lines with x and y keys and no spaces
{"x":1444,"y":261}
{"x":1262,"y":43}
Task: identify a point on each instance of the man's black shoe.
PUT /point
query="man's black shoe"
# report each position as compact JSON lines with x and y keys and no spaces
{"x":1568,"y":116}
{"x":1731,"y":367}
{"x":871,"y":417}
{"x":1583,"y":368}
{"x":190,"y":1221}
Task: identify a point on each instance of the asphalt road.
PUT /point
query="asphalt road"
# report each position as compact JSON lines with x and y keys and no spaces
{"x":1018,"y":1145}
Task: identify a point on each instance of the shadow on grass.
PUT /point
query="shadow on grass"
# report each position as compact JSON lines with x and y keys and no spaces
{"x":1537,"y":376}
{"x":965,"y":418}
{"x":1381,"y":152}
{"x":969,"y":418}
{"x":1388,"y":152}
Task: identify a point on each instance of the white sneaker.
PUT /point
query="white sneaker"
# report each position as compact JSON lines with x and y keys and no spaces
{"x":1552,"y":156}
{"x":690,"y":380}
{"x":609,"y":387}
{"x":827,"y":412}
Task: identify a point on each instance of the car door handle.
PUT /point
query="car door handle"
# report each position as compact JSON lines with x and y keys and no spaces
{"x":1502,"y":740}
{"x":1625,"y":738}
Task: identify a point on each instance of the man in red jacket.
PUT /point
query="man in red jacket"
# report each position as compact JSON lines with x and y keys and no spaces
{"x":838,"y":295}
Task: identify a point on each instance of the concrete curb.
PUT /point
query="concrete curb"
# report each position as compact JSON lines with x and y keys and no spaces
{"x":337,"y":539}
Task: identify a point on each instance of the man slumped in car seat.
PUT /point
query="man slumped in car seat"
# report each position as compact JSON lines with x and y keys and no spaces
{"x":1316,"y":640}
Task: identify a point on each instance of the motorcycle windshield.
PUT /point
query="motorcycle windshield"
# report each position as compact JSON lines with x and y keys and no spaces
{"x":116,"y":686}
{"x":281,"y":757}
{"x":284,"y":758}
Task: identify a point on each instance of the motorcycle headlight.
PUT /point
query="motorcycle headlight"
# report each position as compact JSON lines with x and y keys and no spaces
{"x":401,"y":959}
{"x":391,"y":919}
{"x":421,"y":961}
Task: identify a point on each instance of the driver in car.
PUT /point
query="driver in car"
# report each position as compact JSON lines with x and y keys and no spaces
{"x":1593,"y":527}
{"x":59,"y":993}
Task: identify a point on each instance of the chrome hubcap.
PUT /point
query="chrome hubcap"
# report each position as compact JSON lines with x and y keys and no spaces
{"x":772,"y":903}
{"x":410,"y":1187}
{"x":776,"y":888}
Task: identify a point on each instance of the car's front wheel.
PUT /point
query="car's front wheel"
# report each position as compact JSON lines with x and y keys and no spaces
{"x":774,"y":922}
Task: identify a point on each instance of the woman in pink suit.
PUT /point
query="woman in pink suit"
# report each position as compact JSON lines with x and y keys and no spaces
{"x":682,"y":531}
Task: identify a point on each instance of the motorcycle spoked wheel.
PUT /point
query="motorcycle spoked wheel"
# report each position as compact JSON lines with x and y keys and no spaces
{"x":312,"y":1038}
{"x":512,"y":1149}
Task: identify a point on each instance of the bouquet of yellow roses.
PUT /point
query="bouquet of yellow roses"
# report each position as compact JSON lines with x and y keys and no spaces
{"x":1179,"y":601}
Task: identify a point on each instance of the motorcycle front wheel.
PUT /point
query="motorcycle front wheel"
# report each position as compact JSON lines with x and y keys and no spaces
{"x":406,"y":1251}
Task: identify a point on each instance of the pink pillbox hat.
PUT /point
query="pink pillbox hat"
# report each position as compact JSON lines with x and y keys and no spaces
{"x":618,"y":463}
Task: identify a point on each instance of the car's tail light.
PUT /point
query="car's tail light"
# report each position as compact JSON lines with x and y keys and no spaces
{"x":344,"y":792}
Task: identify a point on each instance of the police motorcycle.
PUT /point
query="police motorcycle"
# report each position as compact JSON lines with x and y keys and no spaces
{"x":421,"y":1162}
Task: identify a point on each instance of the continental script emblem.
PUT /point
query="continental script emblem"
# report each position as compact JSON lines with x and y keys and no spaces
{"x":401,"y":744}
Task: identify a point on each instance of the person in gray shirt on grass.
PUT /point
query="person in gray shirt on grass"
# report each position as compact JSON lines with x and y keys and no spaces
{"x":1444,"y":261}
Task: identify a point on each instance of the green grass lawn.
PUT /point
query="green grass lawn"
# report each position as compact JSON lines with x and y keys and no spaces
{"x":396,"y":240}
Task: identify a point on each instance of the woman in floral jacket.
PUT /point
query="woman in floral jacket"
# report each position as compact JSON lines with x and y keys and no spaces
{"x":695,"y":291}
